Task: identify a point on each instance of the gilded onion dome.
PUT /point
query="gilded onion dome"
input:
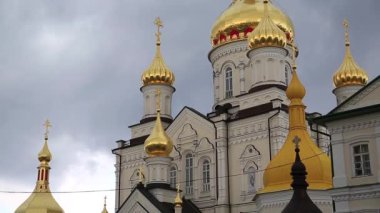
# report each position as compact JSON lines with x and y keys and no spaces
{"x":349,"y":72}
{"x":277,"y":174}
{"x":242,"y":17}
{"x":41,"y":199}
{"x":158,"y":144}
{"x":158,"y":72}
{"x":267,"y":33}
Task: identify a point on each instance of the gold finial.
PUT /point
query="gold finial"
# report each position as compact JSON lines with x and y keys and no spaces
{"x":159,"y":25}
{"x":178,"y":200}
{"x":47,"y":125}
{"x":105,"y":201}
{"x":158,"y":104}
{"x":346,"y":25}
{"x":297,"y":141}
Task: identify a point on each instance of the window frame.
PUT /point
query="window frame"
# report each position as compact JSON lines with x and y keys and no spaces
{"x":228,"y":82}
{"x":189,"y":174}
{"x":364,"y":171}
{"x":206,"y":186}
{"x":173,"y":178}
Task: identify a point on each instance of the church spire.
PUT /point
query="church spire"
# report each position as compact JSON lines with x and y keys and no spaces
{"x":105,"y":205}
{"x":41,"y":200}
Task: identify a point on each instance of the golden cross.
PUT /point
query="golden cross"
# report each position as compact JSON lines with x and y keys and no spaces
{"x":47,"y":125}
{"x":178,"y":188}
{"x":158,"y":104}
{"x":346,"y":25}
{"x":159,"y":25}
{"x":296,"y":141}
{"x":105,"y":200}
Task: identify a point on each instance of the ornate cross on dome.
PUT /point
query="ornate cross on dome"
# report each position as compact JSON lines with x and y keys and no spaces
{"x":105,"y":200}
{"x":177,"y":187}
{"x":296,"y":141}
{"x":158,"y":104}
{"x":159,"y":25}
{"x":346,"y":25}
{"x":47,"y":125}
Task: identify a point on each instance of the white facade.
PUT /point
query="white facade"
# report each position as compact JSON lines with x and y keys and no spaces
{"x":355,"y":138}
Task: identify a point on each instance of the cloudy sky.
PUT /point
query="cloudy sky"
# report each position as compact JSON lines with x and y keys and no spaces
{"x":79,"y":63}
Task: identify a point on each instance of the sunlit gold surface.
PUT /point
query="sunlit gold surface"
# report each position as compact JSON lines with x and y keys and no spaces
{"x":247,"y":13}
{"x":267,"y":33}
{"x":349,"y":72}
{"x":41,"y":200}
{"x":277,"y":174}
{"x":158,"y":144}
{"x":158,"y":72}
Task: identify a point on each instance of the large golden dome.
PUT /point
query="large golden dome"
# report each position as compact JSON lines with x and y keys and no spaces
{"x":277,"y":174}
{"x":242,"y":17}
{"x":349,"y":72}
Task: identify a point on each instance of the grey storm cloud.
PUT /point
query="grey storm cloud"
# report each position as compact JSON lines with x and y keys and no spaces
{"x":79,"y":63}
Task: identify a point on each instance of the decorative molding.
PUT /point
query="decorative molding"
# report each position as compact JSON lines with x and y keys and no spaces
{"x":354,"y":126}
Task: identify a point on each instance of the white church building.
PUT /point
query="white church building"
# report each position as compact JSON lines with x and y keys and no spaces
{"x":237,"y":157}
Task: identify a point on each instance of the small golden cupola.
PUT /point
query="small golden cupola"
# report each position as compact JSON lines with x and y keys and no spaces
{"x":41,"y":200}
{"x":349,"y":72}
{"x":158,"y":72}
{"x":277,"y":174}
{"x":242,"y":17}
{"x":158,"y":144}
{"x":267,"y":33}
{"x":105,"y":206}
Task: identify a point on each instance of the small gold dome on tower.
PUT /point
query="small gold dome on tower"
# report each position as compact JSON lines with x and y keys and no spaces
{"x":158,"y":72}
{"x":242,"y":17}
{"x":158,"y":144}
{"x":267,"y":33}
{"x":44,"y":154}
{"x":349,"y":72}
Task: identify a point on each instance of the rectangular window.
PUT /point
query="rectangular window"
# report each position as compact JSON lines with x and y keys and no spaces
{"x":189,"y":174}
{"x":206,"y":176}
{"x":228,"y":83}
{"x":362,"y":164}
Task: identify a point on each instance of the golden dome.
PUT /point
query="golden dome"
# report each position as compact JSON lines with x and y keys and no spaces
{"x":158,"y":144}
{"x":105,"y":206}
{"x":277,"y":174}
{"x":242,"y":17}
{"x":158,"y":72}
{"x":41,"y":199}
{"x":267,"y":33}
{"x":349,"y":72}
{"x":44,"y":154}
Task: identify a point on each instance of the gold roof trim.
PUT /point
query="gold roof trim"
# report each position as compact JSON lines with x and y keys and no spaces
{"x":158,"y":72}
{"x":267,"y":33}
{"x":349,"y":72}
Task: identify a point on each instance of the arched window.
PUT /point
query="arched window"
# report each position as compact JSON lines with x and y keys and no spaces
{"x":251,"y":179}
{"x":206,"y":176}
{"x":362,"y":165}
{"x":228,"y":82}
{"x":173,"y":176}
{"x":189,"y":173}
